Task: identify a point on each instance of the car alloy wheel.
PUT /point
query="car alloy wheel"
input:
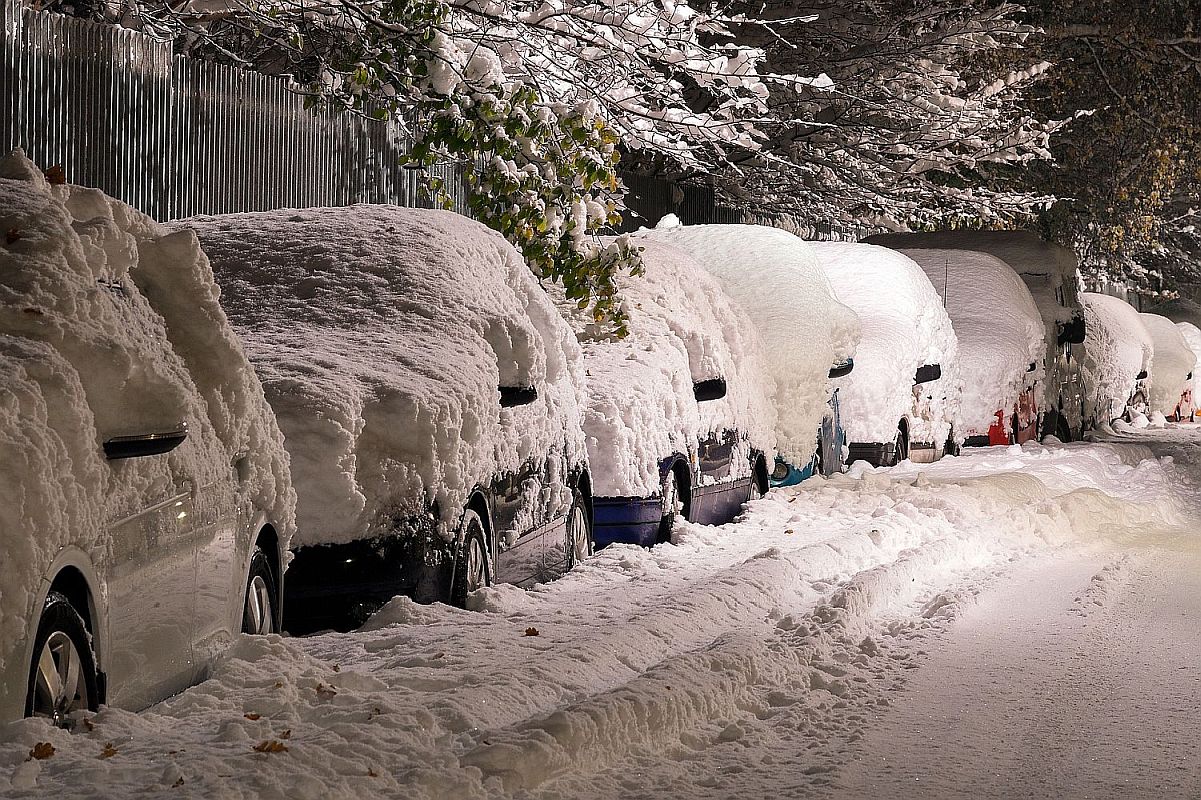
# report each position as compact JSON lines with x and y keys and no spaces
{"x":471,"y":571}
{"x":258,"y":613}
{"x":62,"y":677}
{"x":579,"y":536}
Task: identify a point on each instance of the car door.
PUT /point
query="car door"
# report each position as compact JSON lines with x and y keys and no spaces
{"x":220,"y":553}
{"x":518,"y":523}
{"x":151,"y":578}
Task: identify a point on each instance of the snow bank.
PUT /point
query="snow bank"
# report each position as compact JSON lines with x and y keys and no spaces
{"x":1179,"y":310}
{"x":998,"y":328}
{"x":641,"y":408}
{"x":1117,"y":347}
{"x":774,"y":277}
{"x":904,"y":326}
{"x":110,"y":325}
{"x":1172,"y":362}
{"x":381,"y":335}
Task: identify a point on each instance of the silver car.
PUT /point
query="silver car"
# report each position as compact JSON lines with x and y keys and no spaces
{"x":145,"y":501}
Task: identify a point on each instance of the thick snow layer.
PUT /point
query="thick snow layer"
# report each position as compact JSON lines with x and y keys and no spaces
{"x":1045,"y":266}
{"x":641,"y":408}
{"x":745,"y":661}
{"x":904,"y":326}
{"x":381,"y":335}
{"x":1179,"y":310}
{"x":109,"y":326}
{"x":998,"y":328}
{"x":775,"y":278}
{"x":1172,"y":362}
{"x":1117,"y":347}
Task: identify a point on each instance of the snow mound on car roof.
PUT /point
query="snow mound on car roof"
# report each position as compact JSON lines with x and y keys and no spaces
{"x":1117,"y":347}
{"x":1029,"y":254}
{"x":1179,"y":310}
{"x":775,"y":279}
{"x":110,"y":325}
{"x":381,"y":335}
{"x":998,"y":328}
{"x":904,"y":327}
{"x":1172,"y":360}
{"x":641,"y":409}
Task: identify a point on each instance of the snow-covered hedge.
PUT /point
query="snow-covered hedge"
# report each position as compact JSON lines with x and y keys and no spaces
{"x":997,"y":325}
{"x":641,"y":408}
{"x":110,"y":325}
{"x":1172,"y":361}
{"x":904,"y":326}
{"x":774,"y":277}
{"x":382,"y":335}
{"x":1117,"y":347}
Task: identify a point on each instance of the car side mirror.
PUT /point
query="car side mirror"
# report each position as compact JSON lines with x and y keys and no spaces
{"x":1141,"y":375}
{"x":927,"y":372}
{"x":842,"y":368}
{"x":511,"y":396}
{"x":1033,"y":366}
{"x":145,"y":444}
{"x":1072,"y":332}
{"x":712,"y":389}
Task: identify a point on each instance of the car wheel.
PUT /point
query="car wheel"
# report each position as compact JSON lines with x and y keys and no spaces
{"x":471,"y":570}
{"x":952,"y":447}
{"x":673,"y":506}
{"x":900,"y":448}
{"x":258,"y":612}
{"x":758,"y":488}
{"x":62,"y":677}
{"x":579,"y":532}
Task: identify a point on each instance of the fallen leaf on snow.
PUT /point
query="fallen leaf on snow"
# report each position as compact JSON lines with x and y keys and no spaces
{"x":253,"y":717}
{"x":41,"y":750}
{"x":109,"y":751}
{"x":531,"y":631}
{"x":270,"y":746}
{"x":326,"y":691}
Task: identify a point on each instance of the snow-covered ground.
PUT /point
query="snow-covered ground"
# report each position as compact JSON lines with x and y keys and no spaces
{"x":1000,"y":624}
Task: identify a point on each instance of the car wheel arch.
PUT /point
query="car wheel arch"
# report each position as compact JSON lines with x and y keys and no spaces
{"x":73,"y":575}
{"x":680,"y":465}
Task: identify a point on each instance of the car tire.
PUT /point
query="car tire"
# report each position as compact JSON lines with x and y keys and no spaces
{"x":673,"y":506}
{"x":900,"y":447}
{"x":62,"y":675}
{"x":472,"y":570}
{"x":261,"y":602}
{"x":758,"y":488}
{"x":579,"y":547}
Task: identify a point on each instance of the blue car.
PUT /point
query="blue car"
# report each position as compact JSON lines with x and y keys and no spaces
{"x":678,"y":418}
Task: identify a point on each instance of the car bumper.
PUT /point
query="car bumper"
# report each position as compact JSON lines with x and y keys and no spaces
{"x":633,"y":520}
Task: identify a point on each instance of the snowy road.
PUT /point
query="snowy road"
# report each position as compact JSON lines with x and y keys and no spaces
{"x":1016,"y":622}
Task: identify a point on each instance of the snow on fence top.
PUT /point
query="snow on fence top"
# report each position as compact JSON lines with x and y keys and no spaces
{"x":775,"y":278}
{"x":382,"y":335}
{"x":1046,"y":267}
{"x":1179,"y":310}
{"x":998,"y":327}
{"x":1172,"y":360}
{"x":641,"y":407}
{"x":904,"y":326}
{"x":1117,"y":347}
{"x":110,"y":325}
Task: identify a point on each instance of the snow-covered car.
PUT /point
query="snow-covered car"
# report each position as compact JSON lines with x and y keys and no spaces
{"x":774,"y":277}
{"x":902,"y":399}
{"x":1172,"y":363}
{"x":145,"y":503}
{"x":1188,"y":401}
{"x":1117,"y":355}
{"x":429,"y":393}
{"x":1001,"y":349}
{"x":1187,"y":316}
{"x":1050,"y":272}
{"x":679,"y":416}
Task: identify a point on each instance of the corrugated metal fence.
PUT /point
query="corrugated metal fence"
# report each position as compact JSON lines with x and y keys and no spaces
{"x":175,"y":136}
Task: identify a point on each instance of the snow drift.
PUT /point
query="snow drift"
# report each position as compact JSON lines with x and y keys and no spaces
{"x":1172,"y":362}
{"x":382,"y":335}
{"x":775,"y":278}
{"x":110,"y":325}
{"x":641,"y":408}
{"x":998,"y":328}
{"x":904,"y":326}
{"x":1117,"y":347}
